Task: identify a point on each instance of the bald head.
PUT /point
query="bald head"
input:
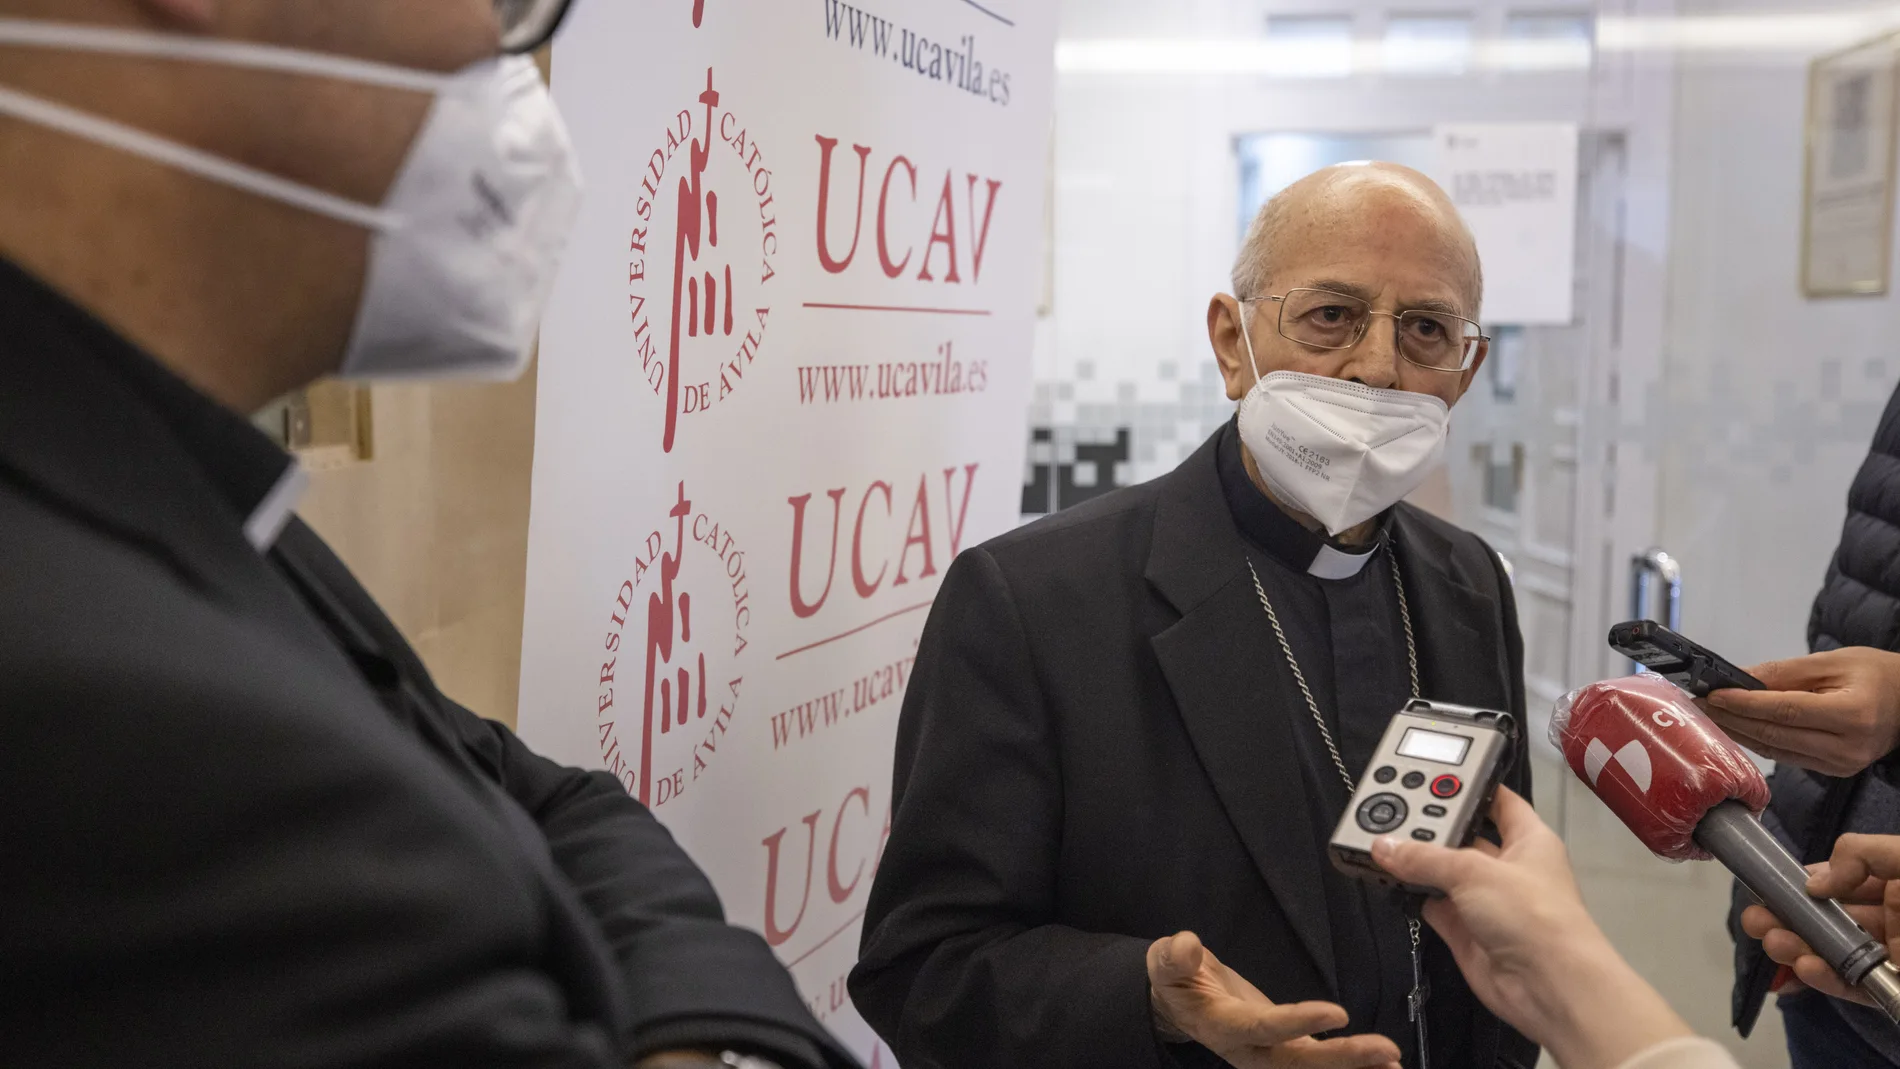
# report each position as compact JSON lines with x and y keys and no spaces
{"x":1381,"y":203}
{"x":1375,"y":233}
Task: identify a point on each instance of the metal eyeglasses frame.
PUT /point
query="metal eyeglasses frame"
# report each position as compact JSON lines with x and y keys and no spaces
{"x":536,"y":26}
{"x":1474,"y":343}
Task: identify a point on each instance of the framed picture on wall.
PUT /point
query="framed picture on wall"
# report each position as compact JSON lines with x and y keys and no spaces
{"x":1847,"y":210}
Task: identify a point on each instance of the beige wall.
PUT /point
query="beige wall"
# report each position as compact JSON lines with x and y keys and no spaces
{"x":436,"y":526}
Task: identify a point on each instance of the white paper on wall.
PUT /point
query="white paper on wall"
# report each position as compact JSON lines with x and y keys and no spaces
{"x":1516,"y":185}
{"x":783,"y":380}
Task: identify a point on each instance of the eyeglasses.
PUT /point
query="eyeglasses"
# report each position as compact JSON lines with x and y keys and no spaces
{"x":1322,"y":319}
{"x":528,"y":24}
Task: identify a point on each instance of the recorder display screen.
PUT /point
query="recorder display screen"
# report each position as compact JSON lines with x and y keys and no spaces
{"x":1434,"y":746}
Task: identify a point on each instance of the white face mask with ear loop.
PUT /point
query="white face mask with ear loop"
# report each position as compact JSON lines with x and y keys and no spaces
{"x":465,"y":246}
{"x":1341,"y":452}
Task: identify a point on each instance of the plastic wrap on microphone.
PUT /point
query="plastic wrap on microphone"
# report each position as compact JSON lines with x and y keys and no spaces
{"x":1655,"y":759}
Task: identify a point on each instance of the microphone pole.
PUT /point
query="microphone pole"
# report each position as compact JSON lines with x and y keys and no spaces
{"x":1778,"y":881}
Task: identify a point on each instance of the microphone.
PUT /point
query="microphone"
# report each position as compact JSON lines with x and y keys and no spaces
{"x":1690,"y":793}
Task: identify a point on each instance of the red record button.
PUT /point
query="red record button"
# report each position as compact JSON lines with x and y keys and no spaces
{"x":1446,"y":786}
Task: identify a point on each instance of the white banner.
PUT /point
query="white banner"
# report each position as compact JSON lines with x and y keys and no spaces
{"x":1516,"y":186}
{"x":783,"y":381}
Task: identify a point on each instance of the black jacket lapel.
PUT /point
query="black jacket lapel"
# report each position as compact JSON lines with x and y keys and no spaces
{"x":1233,"y":699}
{"x":1233,"y":694}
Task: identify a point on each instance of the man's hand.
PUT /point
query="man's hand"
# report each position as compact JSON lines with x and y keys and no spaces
{"x":1835,"y":712}
{"x":1517,"y":926}
{"x":1197,"y":997}
{"x":1862,"y":876}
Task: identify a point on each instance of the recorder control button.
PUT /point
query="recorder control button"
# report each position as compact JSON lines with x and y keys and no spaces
{"x":1381,"y":813}
{"x":1424,"y":835}
{"x":1385,"y":774}
{"x":1446,"y":786}
{"x":1414,"y":780}
{"x":1434,"y":810}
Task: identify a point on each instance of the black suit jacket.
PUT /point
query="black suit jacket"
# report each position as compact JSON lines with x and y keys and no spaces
{"x":239,"y":825}
{"x":1097,"y":750}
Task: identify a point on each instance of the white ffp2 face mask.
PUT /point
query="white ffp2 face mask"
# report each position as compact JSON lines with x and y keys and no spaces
{"x":1341,"y":452}
{"x":464,"y":248}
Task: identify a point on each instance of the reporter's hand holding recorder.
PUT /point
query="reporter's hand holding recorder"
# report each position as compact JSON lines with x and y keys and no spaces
{"x":1516,"y":924}
{"x":1510,"y":912}
{"x":1514,"y":920}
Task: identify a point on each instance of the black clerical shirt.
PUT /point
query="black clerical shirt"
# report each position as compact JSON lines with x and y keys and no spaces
{"x":1339,"y":608}
{"x":90,"y":426}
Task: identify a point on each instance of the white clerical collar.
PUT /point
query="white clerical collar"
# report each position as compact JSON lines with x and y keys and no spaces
{"x":1330,"y":563}
{"x":268,"y":519}
{"x":1268,"y":526}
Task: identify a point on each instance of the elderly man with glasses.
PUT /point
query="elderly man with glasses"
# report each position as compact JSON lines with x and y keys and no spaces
{"x":239,"y":824}
{"x":1132,"y":726}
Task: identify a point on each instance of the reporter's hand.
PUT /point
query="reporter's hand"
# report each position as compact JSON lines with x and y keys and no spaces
{"x":1835,"y":712}
{"x":1516,"y":924}
{"x":1862,"y":877}
{"x":1195,"y":996}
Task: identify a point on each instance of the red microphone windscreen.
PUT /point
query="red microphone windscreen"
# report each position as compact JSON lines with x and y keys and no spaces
{"x":1654,"y":758}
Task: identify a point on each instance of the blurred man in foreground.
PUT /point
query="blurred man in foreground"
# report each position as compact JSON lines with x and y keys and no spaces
{"x":239,"y":825}
{"x":1145,"y":714}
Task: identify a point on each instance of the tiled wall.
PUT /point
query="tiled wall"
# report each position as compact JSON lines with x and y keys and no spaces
{"x":1088,"y":436}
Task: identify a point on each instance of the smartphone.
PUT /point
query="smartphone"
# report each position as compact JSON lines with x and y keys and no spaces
{"x":1693,"y":667}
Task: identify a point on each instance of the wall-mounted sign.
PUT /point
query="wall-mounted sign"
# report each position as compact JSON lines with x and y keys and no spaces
{"x":1516,"y":186}
{"x":1847,"y":210}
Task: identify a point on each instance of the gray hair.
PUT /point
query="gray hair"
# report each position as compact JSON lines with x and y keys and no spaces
{"x":1250,"y":266}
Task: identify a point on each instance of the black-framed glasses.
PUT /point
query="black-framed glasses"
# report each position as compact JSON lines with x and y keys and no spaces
{"x":528,"y":24}
{"x":1323,"y":319}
